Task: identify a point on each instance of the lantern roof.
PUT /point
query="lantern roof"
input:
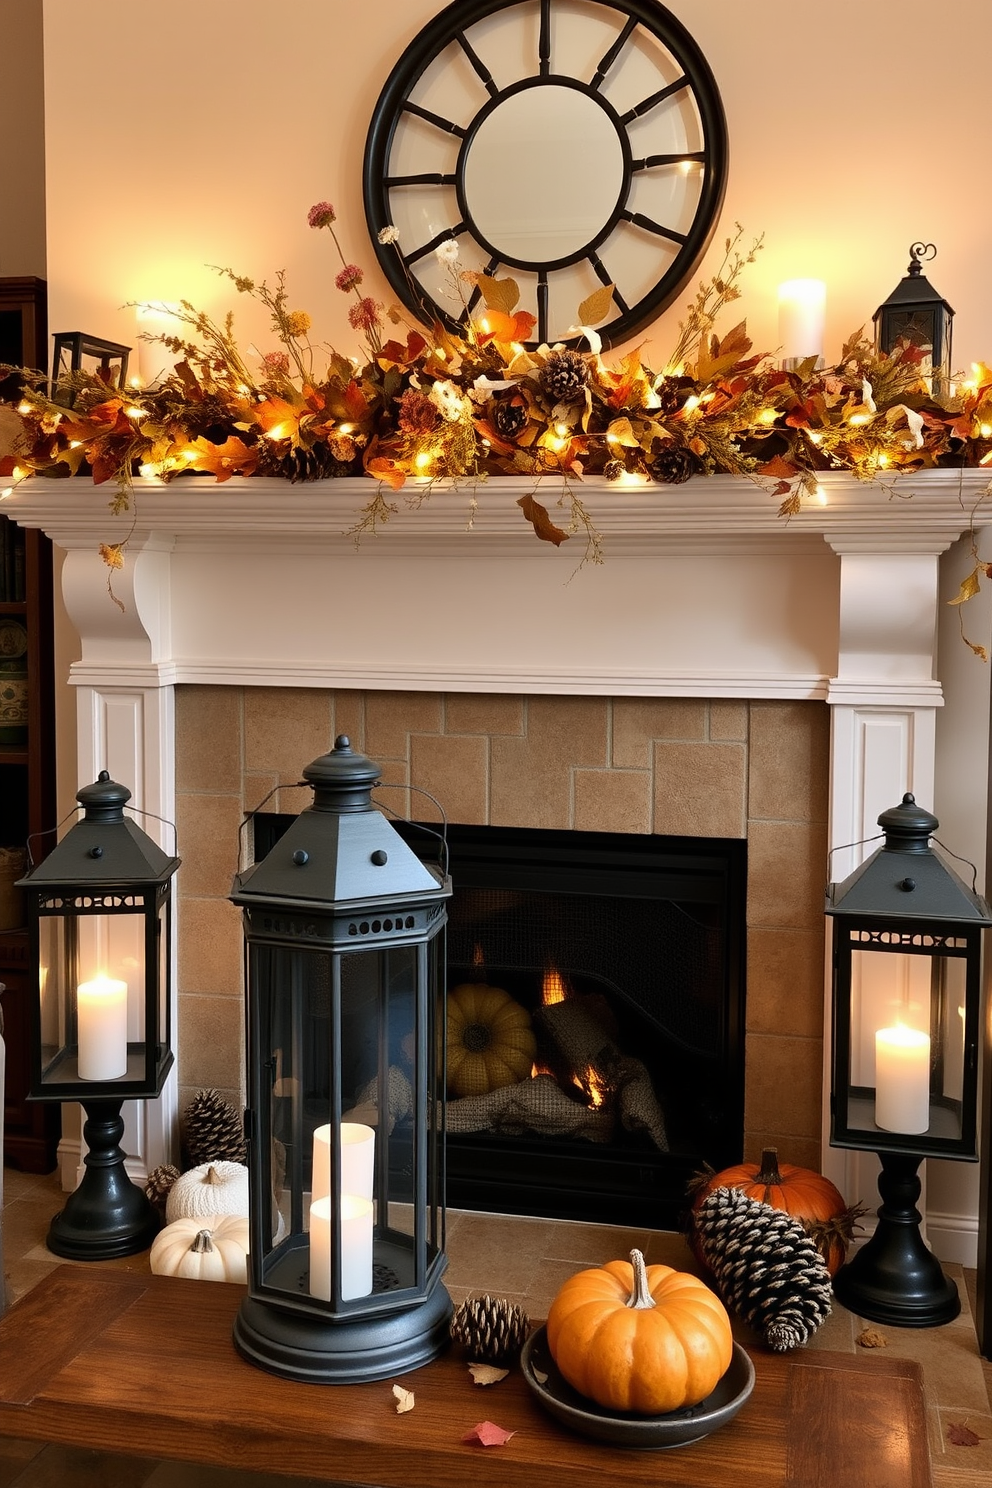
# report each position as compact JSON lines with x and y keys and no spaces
{"x":905,"y":878}
{"x":341,"y":849}
{"x":914,"y":288}
{"x":104,"y":849}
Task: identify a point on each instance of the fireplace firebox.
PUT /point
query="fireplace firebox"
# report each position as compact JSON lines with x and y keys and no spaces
{"x":596,"y":986}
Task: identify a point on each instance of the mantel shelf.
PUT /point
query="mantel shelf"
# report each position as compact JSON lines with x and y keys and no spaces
{"x":921,"y":512}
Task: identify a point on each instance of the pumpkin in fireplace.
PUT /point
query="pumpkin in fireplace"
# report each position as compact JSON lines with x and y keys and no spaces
{"x":640,"y":1338}
{"x":490,"y":1040}
{"x":799,"y":1192}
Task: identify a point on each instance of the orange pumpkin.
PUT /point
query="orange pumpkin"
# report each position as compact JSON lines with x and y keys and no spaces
{"x":800,"y":1192}
{"x":639,"y":1338}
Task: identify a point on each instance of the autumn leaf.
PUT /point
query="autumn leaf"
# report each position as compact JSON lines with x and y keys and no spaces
{"x":871,"y":1338}
{"x":628,"y":386}
{"x":404,"y":1400}
{"x":778,"y":465}
{"x":488,"y":1434}
{"x":233,"y":457}
{"x":13,"y":432}
{"x":386,"y":470}
{"x":499,"y":294}
{"x":597,"y":306}
{"x":278,"y":417}
{"x":792,"y":505}
{"x":538,"y":517}
{"x":969,"y":588}
{"x":486,"y":1374}
{"x":620,"y":432}
{"x":961,"y":1435}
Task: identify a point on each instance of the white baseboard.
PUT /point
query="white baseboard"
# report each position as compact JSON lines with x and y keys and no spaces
{"x":953,"y":1238}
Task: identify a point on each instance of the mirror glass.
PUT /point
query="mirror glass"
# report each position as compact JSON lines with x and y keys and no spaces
{"x":543,"y":173}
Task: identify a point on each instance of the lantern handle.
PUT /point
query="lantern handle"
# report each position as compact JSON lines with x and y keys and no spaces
{"x":843,"y":847}
{"x":878,"y":837}
{"x":441,"y":836}
{"x":250,"y":816}
{"x":966,"y":861}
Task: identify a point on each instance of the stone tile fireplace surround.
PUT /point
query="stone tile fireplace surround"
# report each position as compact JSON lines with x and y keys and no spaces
{"x":722,"y":673}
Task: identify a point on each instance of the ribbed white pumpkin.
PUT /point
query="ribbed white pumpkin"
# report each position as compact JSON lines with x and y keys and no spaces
{"x":199,"y":1251}
{"x":212,"y":1188}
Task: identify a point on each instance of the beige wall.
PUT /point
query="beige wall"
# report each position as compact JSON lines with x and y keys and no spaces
{"x":209,"y":129}
{"x":678,"y":767}
{"x":22,"y":159}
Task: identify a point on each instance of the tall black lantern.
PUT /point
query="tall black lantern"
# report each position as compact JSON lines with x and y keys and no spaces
{"x":915,"y":312}
{"x":345,"y":984}
{"x":906,"y":1037}
{"x":99,"y":916}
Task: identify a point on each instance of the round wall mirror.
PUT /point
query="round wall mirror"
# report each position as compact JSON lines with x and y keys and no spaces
{"x":568,"y":144}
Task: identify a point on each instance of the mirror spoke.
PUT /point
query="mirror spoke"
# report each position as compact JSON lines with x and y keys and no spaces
{"x":639,"y":220}
{"x":607,"y":61}
{"x":542,"y":305}
{"x":544,"y":40}
{"x":683,"y":157}
{"x":435,"y":242}
{"x":480,"y":67}
{"x":427,"y":178}
{"x":654,"y":99}
{"x":448,"y":125}
{"x":602,"y":274}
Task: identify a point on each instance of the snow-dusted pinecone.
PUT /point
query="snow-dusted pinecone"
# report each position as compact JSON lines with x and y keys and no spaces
{"x":509,"y":417}
{"x":159,"y":1184}
{"x":300,"y":464}
{"x":213,"y":1131}
{"x":613,"y":470}
{"x":564,"y":376}
{"x":766,"y":1267}
{"x":492,"y":1329}
{"x":674,"y":464}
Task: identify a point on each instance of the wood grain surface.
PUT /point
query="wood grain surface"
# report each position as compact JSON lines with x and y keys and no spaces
{"x":146,"y":1365}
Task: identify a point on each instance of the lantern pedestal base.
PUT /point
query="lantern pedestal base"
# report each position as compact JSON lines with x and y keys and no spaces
{"x":107,"y":1216}
{"x":299,"y":1347}
{"x":895,"y":1278}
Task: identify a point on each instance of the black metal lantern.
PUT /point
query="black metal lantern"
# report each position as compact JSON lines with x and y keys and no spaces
{"x":99,"y":917}
{"x":906,"y":1038}
{"x":345,"y":984}
{"x":76,"y":351}
{"x":915,"y":312}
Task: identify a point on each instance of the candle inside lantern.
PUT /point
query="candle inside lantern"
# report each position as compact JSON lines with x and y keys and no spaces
{"x":101,"y":1025}
{"x":357,"y":1160}
{"x":902,"y":1080}
{"x":801,"y":312}
{"x":356,"y":1247}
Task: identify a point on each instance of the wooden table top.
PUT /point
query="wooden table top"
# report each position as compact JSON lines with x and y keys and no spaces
{"x":145,"y":1365}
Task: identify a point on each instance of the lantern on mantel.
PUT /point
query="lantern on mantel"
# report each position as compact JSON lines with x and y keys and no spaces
{"x":75,"y":351}
{"x":344,"y":939}
{"x":915,"y":312}
{"x":99,"y":918}
{"x":907,"y":935}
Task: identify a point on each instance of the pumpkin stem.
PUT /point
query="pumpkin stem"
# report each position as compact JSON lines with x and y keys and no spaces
{"x":640,"y":1297}
{"x":202,"y":1243}
{"x":212,"y":1176}
{"x":768,"y":1172}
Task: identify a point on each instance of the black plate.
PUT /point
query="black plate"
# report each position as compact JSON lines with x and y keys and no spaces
{"x":676,"y":1429}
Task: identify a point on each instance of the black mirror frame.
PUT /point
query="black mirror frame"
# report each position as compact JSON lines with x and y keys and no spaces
{"x":450,"y":25}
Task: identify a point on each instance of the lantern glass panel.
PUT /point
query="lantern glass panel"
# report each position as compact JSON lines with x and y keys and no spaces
{"x":907,"y":1052}
{"x":347,"y":1171}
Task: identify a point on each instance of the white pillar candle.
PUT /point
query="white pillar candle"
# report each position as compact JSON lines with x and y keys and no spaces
{"x":801,"y":313}
{"x":356,"y":1247}
{"x":902,"y":1080}
{"x":101,"y":1027}
{"x":357,"y":1160}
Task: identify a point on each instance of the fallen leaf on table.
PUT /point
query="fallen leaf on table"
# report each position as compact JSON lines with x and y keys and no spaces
{"x":540,"y":1376}
{"x":962,"y":1435}
{"x":487,"y":1374}
{"x":488,"y":1434}
{"x":871,"y":1338}
{"x":404,"y":1399}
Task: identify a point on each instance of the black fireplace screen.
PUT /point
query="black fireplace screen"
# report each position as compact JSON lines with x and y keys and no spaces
{"x":595,"y":1017}
{"x":595,"y":1021}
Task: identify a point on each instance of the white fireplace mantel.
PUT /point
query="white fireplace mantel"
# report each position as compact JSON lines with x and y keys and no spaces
{"x":705,"y":591}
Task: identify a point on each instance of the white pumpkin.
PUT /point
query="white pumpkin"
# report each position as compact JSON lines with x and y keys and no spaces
{"x":213,"y":1188}
{"x":202,"y":1251}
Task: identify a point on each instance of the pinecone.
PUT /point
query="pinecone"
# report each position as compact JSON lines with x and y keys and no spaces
{"x":564,"y":375}
{"x":509,"y":417}
{"x":766,"y":1267}
{"x":492,"y":1329}
{"x":213,"y":1130}
{"x":300,"y":464}
{"x":159,"y":1185}
{"x":674,"y":464}
{"x":673,"y":391}
{"x":613,"y":470}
